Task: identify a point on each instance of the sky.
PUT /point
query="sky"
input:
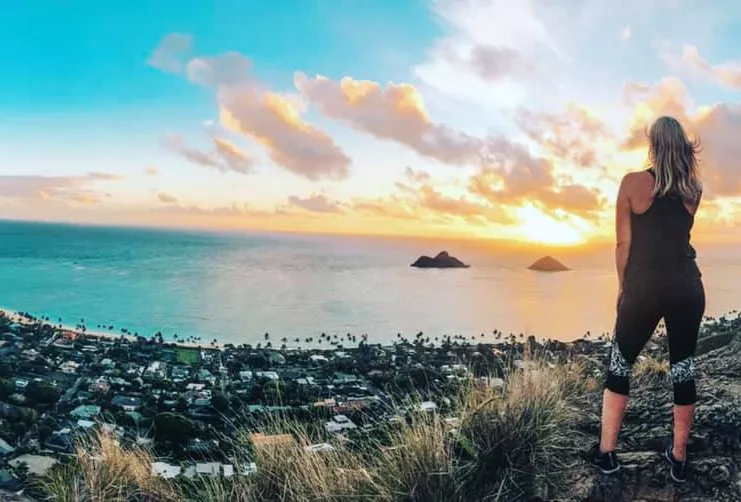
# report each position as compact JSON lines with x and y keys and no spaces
{"x":461,"y":118}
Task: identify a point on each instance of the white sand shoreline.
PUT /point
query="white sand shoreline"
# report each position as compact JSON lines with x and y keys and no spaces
{"x":17,"y":317}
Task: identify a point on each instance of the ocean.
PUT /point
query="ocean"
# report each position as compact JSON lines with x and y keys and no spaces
{"x":235,"y":287}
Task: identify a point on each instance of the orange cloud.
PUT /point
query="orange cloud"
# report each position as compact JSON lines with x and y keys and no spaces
{"x":315,"y":203}
{"x":166,"y":198}
{"x":225,"y":157}
{"x":571,"y":136}
{"x":289,"y":141}
{"x":396,"y":113}
{"x":61,"y":188}
{"x":233,"y":158}
{"x":247,"y":106}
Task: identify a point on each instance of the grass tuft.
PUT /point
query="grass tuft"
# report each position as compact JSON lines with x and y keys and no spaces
{"x":506,"y":445}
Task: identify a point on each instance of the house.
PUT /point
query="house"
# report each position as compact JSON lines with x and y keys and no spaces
{"x":208,"y":469}
{"x":320,"y":447}
{"x":339,"y":423}
{"x":21,"y":384}
{"x":85,"y":411}
{"x":427,"y":406}
{"x":157,"y":369}
{"x":85,"y":424}
{"x":128,"y":403}
{"x":165,"y":470}
{"x":249,"y":468}
{"x":270,"y":375}
{"x":228,"y":470}
{"x":9,"y":482}
{"x":69,"y":367}
{"x":5,"y":448}
{"x":343,"y":378}
{"x":61,"y":442}
{"x":37,"y":464}
{"x":100,"y":385}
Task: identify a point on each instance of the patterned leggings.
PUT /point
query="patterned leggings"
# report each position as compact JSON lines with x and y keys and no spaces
{"x":682,"y":305}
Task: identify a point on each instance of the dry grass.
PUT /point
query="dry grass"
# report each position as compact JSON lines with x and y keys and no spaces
{"x":104,"y":471}
{"x":507,"y":447}
{"x":650,"y":369}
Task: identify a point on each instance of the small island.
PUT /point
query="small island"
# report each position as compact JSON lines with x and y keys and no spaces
{"x":548,"y":264}
{"x":442,"y":260}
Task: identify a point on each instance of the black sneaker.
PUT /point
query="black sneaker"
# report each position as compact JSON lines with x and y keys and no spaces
{"x":678,"y":470}
{"x":606,"y":462}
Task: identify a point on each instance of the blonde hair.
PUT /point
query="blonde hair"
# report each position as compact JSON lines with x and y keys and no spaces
{"x":674,"y":159}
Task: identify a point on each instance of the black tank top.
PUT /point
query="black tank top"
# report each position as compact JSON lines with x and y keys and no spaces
{"x":660,"y":249}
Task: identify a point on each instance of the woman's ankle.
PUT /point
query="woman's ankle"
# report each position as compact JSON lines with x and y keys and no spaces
{"x":679,"y":453}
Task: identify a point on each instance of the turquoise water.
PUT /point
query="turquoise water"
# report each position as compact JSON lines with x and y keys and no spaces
{"x":236,"y":287}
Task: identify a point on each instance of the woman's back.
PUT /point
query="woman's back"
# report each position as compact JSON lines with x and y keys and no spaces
{"x":660,"y":249}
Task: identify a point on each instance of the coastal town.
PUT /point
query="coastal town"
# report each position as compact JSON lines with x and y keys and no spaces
{"x":60,"y":385}
{"x":204,"y":411}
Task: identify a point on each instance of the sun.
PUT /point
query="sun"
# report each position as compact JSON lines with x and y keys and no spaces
{"x":539,"y":227}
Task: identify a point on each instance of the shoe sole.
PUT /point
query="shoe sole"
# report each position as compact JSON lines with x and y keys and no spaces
{"x":609,"y":471}
{"x":671,"y":471}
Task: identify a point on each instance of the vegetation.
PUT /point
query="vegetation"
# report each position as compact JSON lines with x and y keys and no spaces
{"x":504,"y":444}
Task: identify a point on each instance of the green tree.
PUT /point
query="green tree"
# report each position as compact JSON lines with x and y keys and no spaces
{"x":44,"y":432}
{"x":42,"y":392}
{"x":220,"y":402}
{"x":6,"y":388}
{"x":174,"y":428}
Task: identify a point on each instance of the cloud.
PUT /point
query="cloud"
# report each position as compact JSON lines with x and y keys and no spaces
{"x":151,"y":171}
{"x":488,"y":50}
{"x":416,"y":176}
{"x":315,"y":203}
{"x":395,"y":113}
{"x":726,"y":74}
{"x":248,"y":107}
{"x":668,"y":97}
{"x":718,"y":128}
{"x":416,"y":195}
{"x":572,"y":135}
{"x":234,"y":210}
{"x":94,"y":175}
{"x":233,"y":158}
{"x":385,"y":207}
{"x":60,"y":188}
{"x":531,"y":180}
{"x":290,"y":142}
{"x":229,"y":69}
{"x":166,"y":198}
{"x":625,"y":34}
{"x":225,"y":157}
{"x":168,"y":55}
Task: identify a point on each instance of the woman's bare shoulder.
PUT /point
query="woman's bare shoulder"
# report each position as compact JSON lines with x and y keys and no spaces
{"x":635,"y":179}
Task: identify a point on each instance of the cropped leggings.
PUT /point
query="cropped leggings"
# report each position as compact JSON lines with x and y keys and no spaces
{"x":682,"y":306}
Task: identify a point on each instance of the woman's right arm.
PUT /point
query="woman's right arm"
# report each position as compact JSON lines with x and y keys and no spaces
{"x":622,"y":231}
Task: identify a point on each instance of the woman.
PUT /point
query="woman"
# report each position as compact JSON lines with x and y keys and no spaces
{"x":658,"y":278}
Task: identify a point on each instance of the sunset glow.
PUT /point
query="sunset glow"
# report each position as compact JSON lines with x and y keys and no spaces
{"x":493,"y":120}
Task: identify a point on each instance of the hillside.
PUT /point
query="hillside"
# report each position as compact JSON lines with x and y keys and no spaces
{"x":521,"y":438}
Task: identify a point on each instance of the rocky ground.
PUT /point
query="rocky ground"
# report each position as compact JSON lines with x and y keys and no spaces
{"x":715,"y":445}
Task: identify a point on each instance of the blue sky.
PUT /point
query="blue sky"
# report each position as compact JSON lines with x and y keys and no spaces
{"x":536,"y":84}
